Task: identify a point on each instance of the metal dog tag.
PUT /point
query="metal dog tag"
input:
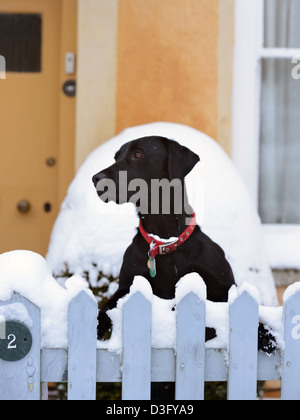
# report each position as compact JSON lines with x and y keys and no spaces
{"x":152,"y":266}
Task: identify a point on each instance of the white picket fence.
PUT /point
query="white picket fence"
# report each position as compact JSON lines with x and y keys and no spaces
{"x":82,"y":365}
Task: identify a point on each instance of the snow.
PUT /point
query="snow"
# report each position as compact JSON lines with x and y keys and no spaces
{"x":164,"y":315}
{"x":235,"y":292}
{"x":283,"y":244}
{"x":290,"y":291}
{"x":168,"y":240}
{"x":272,"y":319}
{"x":28,"y":274}
{"x":217,"y":314}
{"x":190,"y":283}
{"x":142,"y":285}
{"x":163,"y":318}
{"x":90,"y":236}
{"x":163,"y":332}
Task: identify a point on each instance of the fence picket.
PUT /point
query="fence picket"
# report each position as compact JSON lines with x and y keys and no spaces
{"x":82,"y":341}
{"x":20,"y":380}
{"x":190,"y":360}
{"x":243,"y":336}
{"x":136,"y":381}
{"x":291,"y":361}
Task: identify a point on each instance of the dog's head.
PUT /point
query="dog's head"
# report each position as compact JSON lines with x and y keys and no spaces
{"x":141,"y":161}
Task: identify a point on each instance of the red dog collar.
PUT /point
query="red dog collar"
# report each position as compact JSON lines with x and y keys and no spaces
{"x":162,"y":248}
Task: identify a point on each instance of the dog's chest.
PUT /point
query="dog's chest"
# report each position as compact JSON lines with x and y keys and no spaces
{"x":168,"y":272}
{"x":169,"y":268}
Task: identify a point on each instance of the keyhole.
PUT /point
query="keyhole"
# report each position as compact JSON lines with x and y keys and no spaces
{"x":47,"y":207}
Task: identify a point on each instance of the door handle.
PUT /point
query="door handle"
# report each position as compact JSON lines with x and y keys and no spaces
{"x":69,"y":88}
{"x":24,"y":206}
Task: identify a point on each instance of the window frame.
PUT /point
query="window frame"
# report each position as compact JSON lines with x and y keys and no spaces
{"x":247,"y":66}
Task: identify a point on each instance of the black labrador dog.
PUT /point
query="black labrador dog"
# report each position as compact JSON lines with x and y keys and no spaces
{"x":141,"y":165}
{"x":157,"y":158}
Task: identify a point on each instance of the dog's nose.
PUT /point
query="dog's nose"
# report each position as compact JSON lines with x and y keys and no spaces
{"x":98,"y":177}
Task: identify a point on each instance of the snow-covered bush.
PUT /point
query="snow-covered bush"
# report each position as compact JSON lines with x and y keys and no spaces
{"x":90,"y":237}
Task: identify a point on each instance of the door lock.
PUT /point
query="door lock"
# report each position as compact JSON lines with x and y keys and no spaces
{"x":69,"y":88}
{"x":24,"y":206}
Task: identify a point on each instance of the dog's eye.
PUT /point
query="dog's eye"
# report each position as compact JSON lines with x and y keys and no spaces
{"x":137,"y":154}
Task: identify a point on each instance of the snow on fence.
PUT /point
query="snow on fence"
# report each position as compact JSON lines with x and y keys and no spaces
{"x":26,"y":365}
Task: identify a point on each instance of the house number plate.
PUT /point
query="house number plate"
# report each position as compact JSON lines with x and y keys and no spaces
{"x":15,"y":341}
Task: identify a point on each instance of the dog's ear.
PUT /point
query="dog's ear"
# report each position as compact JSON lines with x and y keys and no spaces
{"x":181,"y":160}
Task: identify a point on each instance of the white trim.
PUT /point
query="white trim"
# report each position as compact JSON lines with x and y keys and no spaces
{"x":280,"y":52}
{"x":246,"y":90}
{"x":283,"y":244}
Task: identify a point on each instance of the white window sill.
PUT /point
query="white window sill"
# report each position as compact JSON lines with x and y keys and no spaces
{"x":283,"y":246}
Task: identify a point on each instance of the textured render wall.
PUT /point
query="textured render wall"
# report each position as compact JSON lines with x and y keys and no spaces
{"x":96,"y":77}
{"x":168,"y":63}
{"x":151,"y":60}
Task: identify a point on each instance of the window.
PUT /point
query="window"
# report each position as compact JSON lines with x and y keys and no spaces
{"x":266,"y":116}
{"x":279,"y":161}
{"x":20,"y":41}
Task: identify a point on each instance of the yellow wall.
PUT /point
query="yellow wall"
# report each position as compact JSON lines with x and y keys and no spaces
{"x":96,"y":74}
{"x":153,"y":60}
{"x":168,"y":63}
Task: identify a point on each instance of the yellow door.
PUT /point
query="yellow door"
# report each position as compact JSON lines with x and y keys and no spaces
{"x":38,"y":42}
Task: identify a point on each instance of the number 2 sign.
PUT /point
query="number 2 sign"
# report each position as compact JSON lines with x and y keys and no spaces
{"x":16,"y":343}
